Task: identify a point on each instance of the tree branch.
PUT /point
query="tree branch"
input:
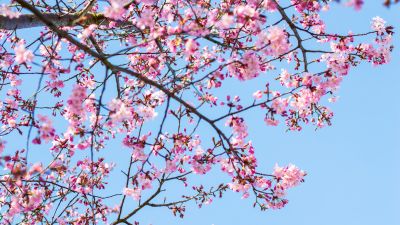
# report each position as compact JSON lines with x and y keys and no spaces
{"x":31,"y":20}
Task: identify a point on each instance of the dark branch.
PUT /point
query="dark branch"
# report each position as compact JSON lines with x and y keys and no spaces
{"x":31,"y":20}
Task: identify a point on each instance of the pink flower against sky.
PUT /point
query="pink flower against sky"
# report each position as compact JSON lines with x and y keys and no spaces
{"x":116,"y":11}
{"x":378,"y":24}
{"x":288,"y":176}
{"x":6,"y":11}
{"x":191,"y":46}
{"x":22,"y":55}
{"x":135,"y":193}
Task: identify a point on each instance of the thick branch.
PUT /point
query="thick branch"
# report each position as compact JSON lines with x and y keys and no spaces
{"x":31,"y":20}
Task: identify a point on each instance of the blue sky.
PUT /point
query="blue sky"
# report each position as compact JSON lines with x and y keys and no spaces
{"x":353,"y":166}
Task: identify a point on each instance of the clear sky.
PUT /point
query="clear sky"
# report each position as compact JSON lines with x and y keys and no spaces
{"x":353,"y":166}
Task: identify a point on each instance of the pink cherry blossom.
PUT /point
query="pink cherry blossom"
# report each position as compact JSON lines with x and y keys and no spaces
{"x":88,"y":31}
{"x":2,"y":146}
{"x":271,"y":122}
{"x":288,"y":176}
{"x":6,"y":11}
{"x":116,"y":10}
{"x":258,"y":94}
{"x":135,"y":193}
{"x":276,"y":40}
{"x":191,"y":46}
{"x":357,"y":4}
{"x":22,"y":55}
{"x":226,"y":21}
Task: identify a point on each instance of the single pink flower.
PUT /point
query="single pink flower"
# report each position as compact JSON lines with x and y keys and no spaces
{"x":191,"y":46}
{"x":22,"y":55}
{"x":135,"y":193}
{"x":116,"y":11}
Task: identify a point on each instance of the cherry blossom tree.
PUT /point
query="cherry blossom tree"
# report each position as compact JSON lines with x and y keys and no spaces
{"x":157,"y":77}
